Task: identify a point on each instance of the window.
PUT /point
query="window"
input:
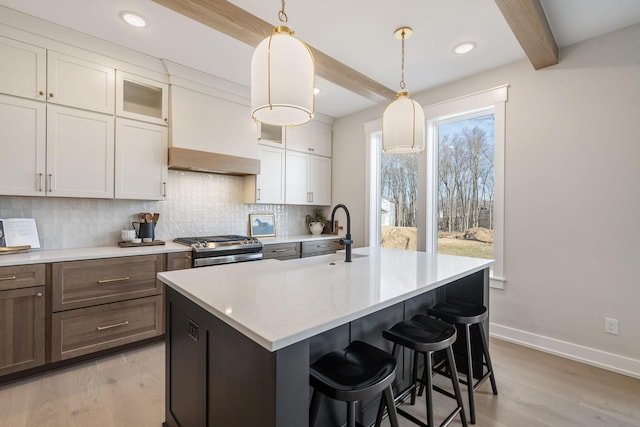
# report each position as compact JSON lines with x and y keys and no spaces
{"x":477,"y":202}
{"x":465,"y":184}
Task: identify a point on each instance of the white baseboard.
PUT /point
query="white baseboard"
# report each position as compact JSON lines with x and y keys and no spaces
{"x":601,"y":359}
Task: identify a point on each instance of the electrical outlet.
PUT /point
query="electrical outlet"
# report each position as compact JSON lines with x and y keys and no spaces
{"x":611,"y":325}
{"x":193,"y":330}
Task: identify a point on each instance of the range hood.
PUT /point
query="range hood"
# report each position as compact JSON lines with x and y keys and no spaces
{"x":207,"y":162}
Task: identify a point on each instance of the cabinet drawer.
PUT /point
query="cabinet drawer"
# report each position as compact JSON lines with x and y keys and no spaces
{"x":281,"y":251}
{"x":21,"y":276}
{"x":87,"y":330}
{"x":320,"y":247}
{"x":79,"y":284}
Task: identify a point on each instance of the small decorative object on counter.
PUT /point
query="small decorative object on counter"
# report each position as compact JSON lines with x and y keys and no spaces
{"x":127,"y":235}
{"x":262,"y":225}
{"x":147,"y":225}
{"x":316,"y":222}
{"x":143,"y":234}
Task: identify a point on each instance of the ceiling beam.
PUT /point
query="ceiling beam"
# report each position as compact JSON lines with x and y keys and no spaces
{"x":236,"y":22}
{"x":530,"y":26}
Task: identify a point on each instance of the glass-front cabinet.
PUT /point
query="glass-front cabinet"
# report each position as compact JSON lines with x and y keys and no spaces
{"x":141,"y":98}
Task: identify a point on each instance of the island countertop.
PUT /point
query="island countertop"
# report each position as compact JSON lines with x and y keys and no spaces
{"x":279,"y":303}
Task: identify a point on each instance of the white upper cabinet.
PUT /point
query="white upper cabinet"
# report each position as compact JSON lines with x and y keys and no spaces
{"x":141,"y":98}
{"x":78,"y":83}
{"x":312,"y":138}
{"x":269,"y":185}
{"x":200,"y":121}
{"x":23,"y":146}
{"x":80,"y":153}
{"x":320,"y":180}
{"x":271,"y":135}
{"x":141,"y":160}
{"x":308,"y":179}
{"x":23,"y":69}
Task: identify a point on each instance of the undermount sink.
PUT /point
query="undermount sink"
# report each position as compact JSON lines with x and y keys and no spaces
{"x":340,"y":258}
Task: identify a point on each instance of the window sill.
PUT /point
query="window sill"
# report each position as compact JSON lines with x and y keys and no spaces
{"x":496,"y":282}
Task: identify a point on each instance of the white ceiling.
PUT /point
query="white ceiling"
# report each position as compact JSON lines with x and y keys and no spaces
{"x":358,"y":33}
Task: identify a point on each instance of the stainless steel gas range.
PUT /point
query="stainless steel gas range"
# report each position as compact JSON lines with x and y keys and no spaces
{"x":215,"y":250}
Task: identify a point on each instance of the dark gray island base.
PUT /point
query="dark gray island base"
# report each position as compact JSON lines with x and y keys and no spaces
{"x":216,"y":376}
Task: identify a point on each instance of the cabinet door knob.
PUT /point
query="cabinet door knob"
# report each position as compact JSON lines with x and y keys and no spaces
{"x":166,"y":119}
{"x":51,"y":95}
{"x":41,"y":93}
{"x":39,"y":294}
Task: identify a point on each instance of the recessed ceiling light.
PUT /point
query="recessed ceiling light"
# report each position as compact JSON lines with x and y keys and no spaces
{"x":133,"y":19}
{"x":316,"y":91}
{"x":463,"y":48}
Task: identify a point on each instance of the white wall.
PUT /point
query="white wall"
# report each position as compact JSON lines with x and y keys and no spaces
{"x":197,"y":204}
{"x":572,"y":198}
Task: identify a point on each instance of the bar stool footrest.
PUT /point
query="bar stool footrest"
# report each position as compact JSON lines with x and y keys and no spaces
{"x":419,"y":422}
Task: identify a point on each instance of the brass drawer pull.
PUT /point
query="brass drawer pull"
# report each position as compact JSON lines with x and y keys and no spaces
{"x":102,"y":328}
{"x":2,"y":279}
{"x":119,"y":279}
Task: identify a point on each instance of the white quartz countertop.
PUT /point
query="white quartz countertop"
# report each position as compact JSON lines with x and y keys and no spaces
{"x":278,"y":303}
{"x":299,"y":238}
{"x":36,"y":256}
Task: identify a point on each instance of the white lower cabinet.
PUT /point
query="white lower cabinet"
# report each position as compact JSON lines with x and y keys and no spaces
{"x":308,"y":179}
{"x":141,"y":160}
{"x":23,"y":146}
{"x":80,"y":153}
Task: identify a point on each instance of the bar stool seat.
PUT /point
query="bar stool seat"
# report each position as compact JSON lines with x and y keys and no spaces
{"x":467,"y":314}
{"x":426,"y":335}
{"x":359,"y":371}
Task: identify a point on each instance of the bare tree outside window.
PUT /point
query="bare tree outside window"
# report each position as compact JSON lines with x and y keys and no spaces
{"x":465,"y":190}
{"x":399,"y":175}
{"x":465,"y":186}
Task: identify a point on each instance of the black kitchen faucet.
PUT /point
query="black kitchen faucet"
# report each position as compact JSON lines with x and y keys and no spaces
{"x":347,"y":240}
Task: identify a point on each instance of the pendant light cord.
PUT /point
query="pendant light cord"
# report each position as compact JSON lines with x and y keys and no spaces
{"x":402,"y":83}
{"x":282,"y":16}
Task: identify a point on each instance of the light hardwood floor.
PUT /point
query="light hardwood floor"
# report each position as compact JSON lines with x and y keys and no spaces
{"x":127,"y":390}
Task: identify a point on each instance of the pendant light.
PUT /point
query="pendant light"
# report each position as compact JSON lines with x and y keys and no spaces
{"x":282,"y":78}
{"x":403,"y":119}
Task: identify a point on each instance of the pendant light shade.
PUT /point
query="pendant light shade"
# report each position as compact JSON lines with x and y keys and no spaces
{"x":403,"y":126}
{"x":282,"y":79}
{"x":403,"y":119}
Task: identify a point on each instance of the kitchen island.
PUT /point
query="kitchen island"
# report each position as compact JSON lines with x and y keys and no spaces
{"x":240,"y":337}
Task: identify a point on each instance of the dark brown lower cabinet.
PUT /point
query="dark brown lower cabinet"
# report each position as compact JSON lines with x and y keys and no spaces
{"x":217,"y":377}
{"x":22,"y":329}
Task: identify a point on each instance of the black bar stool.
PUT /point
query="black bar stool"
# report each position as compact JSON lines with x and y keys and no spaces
{"x":360,"y":371}
{"x":426,"y":335}
{"x":467,"y":315}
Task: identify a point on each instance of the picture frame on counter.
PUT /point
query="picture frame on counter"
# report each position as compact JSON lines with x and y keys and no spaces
{"x":262,"y":225}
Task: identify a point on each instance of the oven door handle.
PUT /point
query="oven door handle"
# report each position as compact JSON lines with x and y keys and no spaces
{"x":226,"y":259}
